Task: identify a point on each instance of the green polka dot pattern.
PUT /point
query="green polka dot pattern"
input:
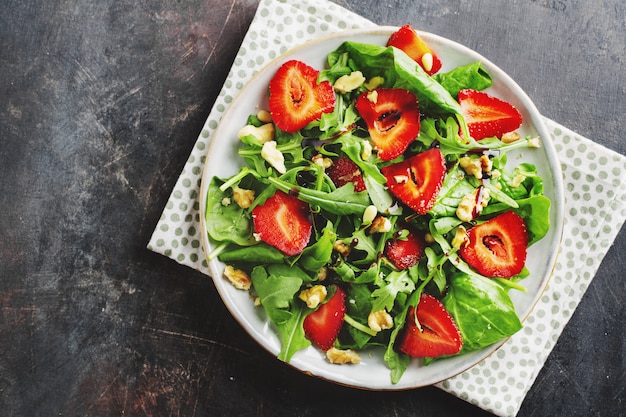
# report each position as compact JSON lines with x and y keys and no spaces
{"x":595,"y":189}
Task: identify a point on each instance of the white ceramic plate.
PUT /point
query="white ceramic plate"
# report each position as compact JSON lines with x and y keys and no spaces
{"x":222,"y":160}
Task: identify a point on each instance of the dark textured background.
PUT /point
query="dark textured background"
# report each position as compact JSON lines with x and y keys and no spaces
{"x":100,"y":104}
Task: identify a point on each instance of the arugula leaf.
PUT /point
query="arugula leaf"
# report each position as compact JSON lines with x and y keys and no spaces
{"x":315,"y":256}
{"x":397,"y":281}
{"x":343,"y":201}
{"x":277,"y":295}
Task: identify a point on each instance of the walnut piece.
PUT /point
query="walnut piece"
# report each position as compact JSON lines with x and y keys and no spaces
{"x":341,"y":357}
{"x":243,"y":197}
{"x":379,"y":320}
{"x":238,"y":278}
{"x":380,"y":225}
{"x":264,"y":133}
{"x":313,"y":296}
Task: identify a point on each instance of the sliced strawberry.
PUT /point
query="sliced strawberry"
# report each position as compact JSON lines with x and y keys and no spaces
{"x":343,"y":171}
{"x":323,"y":325}
{"x":488,"y":116}
{"x":407,"y":39}
{"x":392,"y":117}
{"x":284,"y":222}
{"x":416,"y":181}
{"x":497,"y":247}
{"x":296,"y":98}
{"x":435,"y":335}
{"x":404,"y":253}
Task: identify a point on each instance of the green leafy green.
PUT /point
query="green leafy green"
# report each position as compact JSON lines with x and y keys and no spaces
{"x":482,"y":310}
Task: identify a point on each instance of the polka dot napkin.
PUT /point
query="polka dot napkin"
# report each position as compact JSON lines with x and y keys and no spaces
{"x":595,"y":209}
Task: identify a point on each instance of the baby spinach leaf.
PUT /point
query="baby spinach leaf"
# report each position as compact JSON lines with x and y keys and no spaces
{"x":398,"y":71}
{"x":261,"y":253}
{"x":482,"y":310}
{"x":473,"y":76}
{"x":226,"y":223}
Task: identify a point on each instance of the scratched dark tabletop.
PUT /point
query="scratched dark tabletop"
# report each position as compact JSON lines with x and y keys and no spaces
{"x":100,"y":105}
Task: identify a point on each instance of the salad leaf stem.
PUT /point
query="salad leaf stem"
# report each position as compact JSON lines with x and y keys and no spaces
{"x":217,"y":250}
{"x":365,"y":329}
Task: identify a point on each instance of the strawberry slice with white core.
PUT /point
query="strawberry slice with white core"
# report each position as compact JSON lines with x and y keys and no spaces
{"x":392,"y":117}
{"x":435,"y":332}
{"x":407,"y":40}
{"x":488,"y":116}
{"x":416,"y":181}
{"x":284,"y":222}
{"x":322,"y":326}
{"x":497,"y":247}
{"x":296,"y":98}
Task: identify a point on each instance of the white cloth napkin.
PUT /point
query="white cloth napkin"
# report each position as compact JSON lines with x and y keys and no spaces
{"x":595,"y":209}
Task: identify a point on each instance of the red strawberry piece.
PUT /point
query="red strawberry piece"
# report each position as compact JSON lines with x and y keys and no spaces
{"x":435,"y":335}
{"x":407,"y":40}
{"x":404,"y":253}
{"x":392,"y":117}
{"x":284,"y":222}
{"x":322,"y":326}
{"x":416,"y":181}
{"x":296,"y":98}
{"x":487,"y":116}
{"x":343,"y":171}
{"x":497,"y":247}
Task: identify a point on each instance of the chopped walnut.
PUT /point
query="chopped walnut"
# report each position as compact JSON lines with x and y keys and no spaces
{"x":274,"y":156}
{"x":517,"y":181}
{"x":485,"y":163}
{"x":366,"y":150}
{"x":348,"y":83}
{"x":341,"y":248}
{"x":460,"y":238}
{"x":369,"y":214}
{"x":341,"y":357}
{"x":510,"y":137}
{"x":472,"y":204}
{"x":534,"y":142}
{"x":264,"y":133}
{"x":264,"y":116}
{"x":380,"y":225}
{"x":243,"y":197}
{"x":322,"y":274}
{"x":238,"y":278}
{"x":473,"y":166}
{"x":313,"y":296}
{"x":379,"y":320}
{"x":322,"y":161}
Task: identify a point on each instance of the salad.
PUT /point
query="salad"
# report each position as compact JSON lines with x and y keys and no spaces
{"x":376,"y":207}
